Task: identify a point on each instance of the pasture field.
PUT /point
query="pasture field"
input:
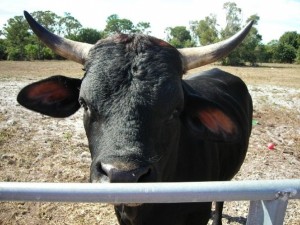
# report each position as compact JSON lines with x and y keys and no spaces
{"x":36,"y":148}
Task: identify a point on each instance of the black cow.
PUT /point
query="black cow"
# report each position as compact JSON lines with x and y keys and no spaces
{"x":144,"y":123}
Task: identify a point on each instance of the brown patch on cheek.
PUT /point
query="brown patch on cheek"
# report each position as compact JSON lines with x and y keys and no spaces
{"x":49,"y":92}
{"x":216,"y":121}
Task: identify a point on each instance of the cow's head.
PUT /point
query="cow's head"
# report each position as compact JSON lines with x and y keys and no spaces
{"x":135,"y":102}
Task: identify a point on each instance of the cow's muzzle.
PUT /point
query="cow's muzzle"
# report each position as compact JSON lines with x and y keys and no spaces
{"x":118,"y":174}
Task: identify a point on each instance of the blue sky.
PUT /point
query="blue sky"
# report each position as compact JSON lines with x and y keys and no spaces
{"x":276,"y":16}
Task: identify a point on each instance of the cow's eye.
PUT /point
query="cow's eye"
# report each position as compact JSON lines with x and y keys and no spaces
{"x":83,"y":104}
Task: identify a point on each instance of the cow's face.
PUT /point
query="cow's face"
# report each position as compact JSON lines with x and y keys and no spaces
{"x":135,"y":104}
{"x":132,"y":98}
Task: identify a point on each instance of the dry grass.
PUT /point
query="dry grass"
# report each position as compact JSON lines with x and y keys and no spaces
{"x":35,"y":148}
{"x":287,"y":75}
{"x":27,"y":70}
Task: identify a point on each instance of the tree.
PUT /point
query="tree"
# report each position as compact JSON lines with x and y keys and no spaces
{"x":249,"y":48}
{"x":88,"y":35}
{"x":206,"y":30}
{"x":16,"y":34}
{"x":290,"y":38}
{"x":233,"y":19}
{"x":298,"y":56}
{"x":262,"y":53}
{"x":48,"y":19}
{"x":179,"y":37}
{"x":115,"y":25}
{"x":142,"y":27}
{"x":283,"y":50}
{"x":21,"y":43}
{"x":69,"y":26}
{"x":285,"y":53}
{"x":271,"y":49}
{"x":36,"y":49}
{"x":233,"y":25}
{"x":287,"y":48}
{"x":3,"y":54}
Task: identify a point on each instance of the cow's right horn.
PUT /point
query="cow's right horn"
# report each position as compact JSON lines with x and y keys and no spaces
{"x":73,"y":50}
{"x":200,"y":56}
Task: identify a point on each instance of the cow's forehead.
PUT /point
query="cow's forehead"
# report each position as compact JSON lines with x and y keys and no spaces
{"x":118,"y":60}
{"x":122,"y":51}
{"x":134,"y":40}
{"x":140,"y":66}
{"x":146,"y":90}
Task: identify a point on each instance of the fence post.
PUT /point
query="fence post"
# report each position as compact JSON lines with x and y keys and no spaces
{"x":269,"y":212}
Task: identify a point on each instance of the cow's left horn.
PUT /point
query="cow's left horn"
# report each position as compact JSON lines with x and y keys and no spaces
{"x":200,"y":56}
{"x":73,"y":50}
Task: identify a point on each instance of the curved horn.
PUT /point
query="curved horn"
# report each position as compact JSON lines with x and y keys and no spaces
{"x":200,"y":56}
{"x":73,"y":50}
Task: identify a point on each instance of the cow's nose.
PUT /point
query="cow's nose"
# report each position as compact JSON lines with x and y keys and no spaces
{"x":115,"y":175}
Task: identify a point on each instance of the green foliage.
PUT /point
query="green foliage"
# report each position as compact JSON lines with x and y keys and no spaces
{"x":263,"y":53}
{"x":290,"y":38}
{"x":206,"y":30}
{"x":143,"y":28}
{"x":286,"y":49}
{"x":35,"y":49}
{"x":179,"y":37}
{"x":48,"y":19}
{"x":3,"y":54}
{"x":88,"y":35}
{"x":207,"y":33}
{"x":16,"y":33}
{"x":298,"y":56}
{"x":69,"y":26}
{"x":20,"y":43}
{"x":31,"y":51}
{"x":233,"y":25}
{"x":233,"y":19}
{"x":250,"y":49}
{"x":115,"y":25}
{"x":285,"y":53}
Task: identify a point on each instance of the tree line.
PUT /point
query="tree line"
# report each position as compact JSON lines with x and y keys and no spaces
{"x":19,"y":42}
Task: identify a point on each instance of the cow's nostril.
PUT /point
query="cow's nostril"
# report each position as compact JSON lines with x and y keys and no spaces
{"x":101,"y":171}
{"x":118,"y":175}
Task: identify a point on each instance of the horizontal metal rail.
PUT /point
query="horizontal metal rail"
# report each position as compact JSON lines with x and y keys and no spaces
{"x":151,"y":192}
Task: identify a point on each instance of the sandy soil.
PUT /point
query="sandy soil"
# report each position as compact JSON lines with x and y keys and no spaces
{"x":36,"y":148}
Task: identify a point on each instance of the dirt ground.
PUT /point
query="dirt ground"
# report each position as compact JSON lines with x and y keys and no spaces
{"x":36,"y":148}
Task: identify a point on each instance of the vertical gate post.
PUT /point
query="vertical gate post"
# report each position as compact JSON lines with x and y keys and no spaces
{"x":269,"y":212}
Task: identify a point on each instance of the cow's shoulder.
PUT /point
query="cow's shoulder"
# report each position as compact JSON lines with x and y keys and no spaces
{"x":213,"y":77}
{"x":216,"y":82}
{"x":223,"y":89}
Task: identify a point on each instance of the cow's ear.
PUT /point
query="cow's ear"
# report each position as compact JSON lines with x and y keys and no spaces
{"x":207,"y":120}
{"x":210,"y":122}
{"x":55,"y":96}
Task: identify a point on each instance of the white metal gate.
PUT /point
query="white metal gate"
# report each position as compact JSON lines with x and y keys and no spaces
{"x":268,"y":198}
